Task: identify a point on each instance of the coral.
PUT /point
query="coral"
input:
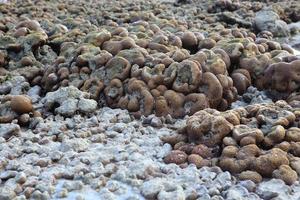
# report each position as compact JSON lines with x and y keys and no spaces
{"x":283,"y":76}
{"x":245,"y":135}
{"x":137,"y":98}
{"x":195,"y":102}
{"x":241,"y":80}
{"x":188,"y":77}
{"x":212,"y":88}
{"x":260,"y":140}
{"x":117,"y":67}
{"x":177,"y":157}
{"x":208,"y":127}
{"x":286,"y":173}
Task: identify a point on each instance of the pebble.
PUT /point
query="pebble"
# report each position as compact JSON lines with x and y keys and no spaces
{"x":21,"y":104}
{"x":7,"y":193}
{"x":273,"y":188}
{"x":156,"y":122}
{"x":9,"y":130}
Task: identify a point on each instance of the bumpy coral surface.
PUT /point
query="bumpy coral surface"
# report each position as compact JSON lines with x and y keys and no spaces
{"x":260,"y":140}
{"x":137,"y":59}
{"x":157,"y":60}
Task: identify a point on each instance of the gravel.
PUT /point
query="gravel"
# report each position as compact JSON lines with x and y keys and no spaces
{"x":111,"y":156}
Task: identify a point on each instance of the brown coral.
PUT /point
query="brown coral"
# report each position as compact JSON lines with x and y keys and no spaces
{"x":208,"y":127}
{"x":188,"y":77}
{"x":117,"y":67}
{"x":138,"y":98}
{"x":286,"y":173}
{"x":176,"y":156}
{"x":212,"y":88}
{"x":241,"y":80}
{"x":283,"y":77}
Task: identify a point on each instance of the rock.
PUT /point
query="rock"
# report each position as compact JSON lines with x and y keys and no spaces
{"x":21,"y":178}
{"x":268,"y":20}
{"x":224,"y":179}
{"x":206,"y":174}
{"x":76,"y":144}
{"x":8,"y":130}
{"x":74,"y":185}
{"x":67,"y":100}
{"x":151,"y":188}
{"x":176,"y":194}
{"x":7,"y":175}
{"x":156,"y":122}
{"x":272,"y":188}
{"x":87,"y":105}
{"x":249,"y":185}
{"x":67,"y":107}
{"x":7,"y":193}
{"x":237,"y":192}
{"x":24,"y":119}
{"x":21,"y":104}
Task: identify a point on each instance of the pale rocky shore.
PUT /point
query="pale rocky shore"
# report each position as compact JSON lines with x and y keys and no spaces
{"x":111,"y":155}
{"x":167,"y":100}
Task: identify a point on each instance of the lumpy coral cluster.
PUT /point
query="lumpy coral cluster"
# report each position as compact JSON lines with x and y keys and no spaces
{"x":187,"y":58}
{"x":145,"y":63}
{"x":260,"y":140}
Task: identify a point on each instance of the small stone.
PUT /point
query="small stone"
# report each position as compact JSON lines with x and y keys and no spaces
{"x":21,"y":104}
{"x":8,"y":130}
{"x":21,"y":197}
{"x":79,"y":197}
{"x":21,"y":178}
{"x":42,"y":162}
{"x":156,"y":122}
{"x":37,"y":195}
{"x":74,"y":185}
{"x":272,"y":188}
{"x":87,"y":105}
{"x":76,"y":144}
{"x":224,"y":179}
{"x":63,"y":193}
{"x":55,"y":156}
{"x":150,"y":189}
{"x":206,"y":174}
{"x":237,"y":192}
{"x":217,"y":197}
{"x":249,"y":185}
{"x":28,"y":191}
{"x":213,"y":191}
{"x":7,"y":174}
{"x":24,"y":119}
{"x":202,"y":151}
{"x":37,"y":114}
{"x":176,"y":194}
{"x":68,"y":107}
{"x":6,"y":193}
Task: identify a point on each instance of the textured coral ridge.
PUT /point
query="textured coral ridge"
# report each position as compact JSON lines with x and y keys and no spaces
{"x":260,"y":140}
{"x":143,"y":60}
